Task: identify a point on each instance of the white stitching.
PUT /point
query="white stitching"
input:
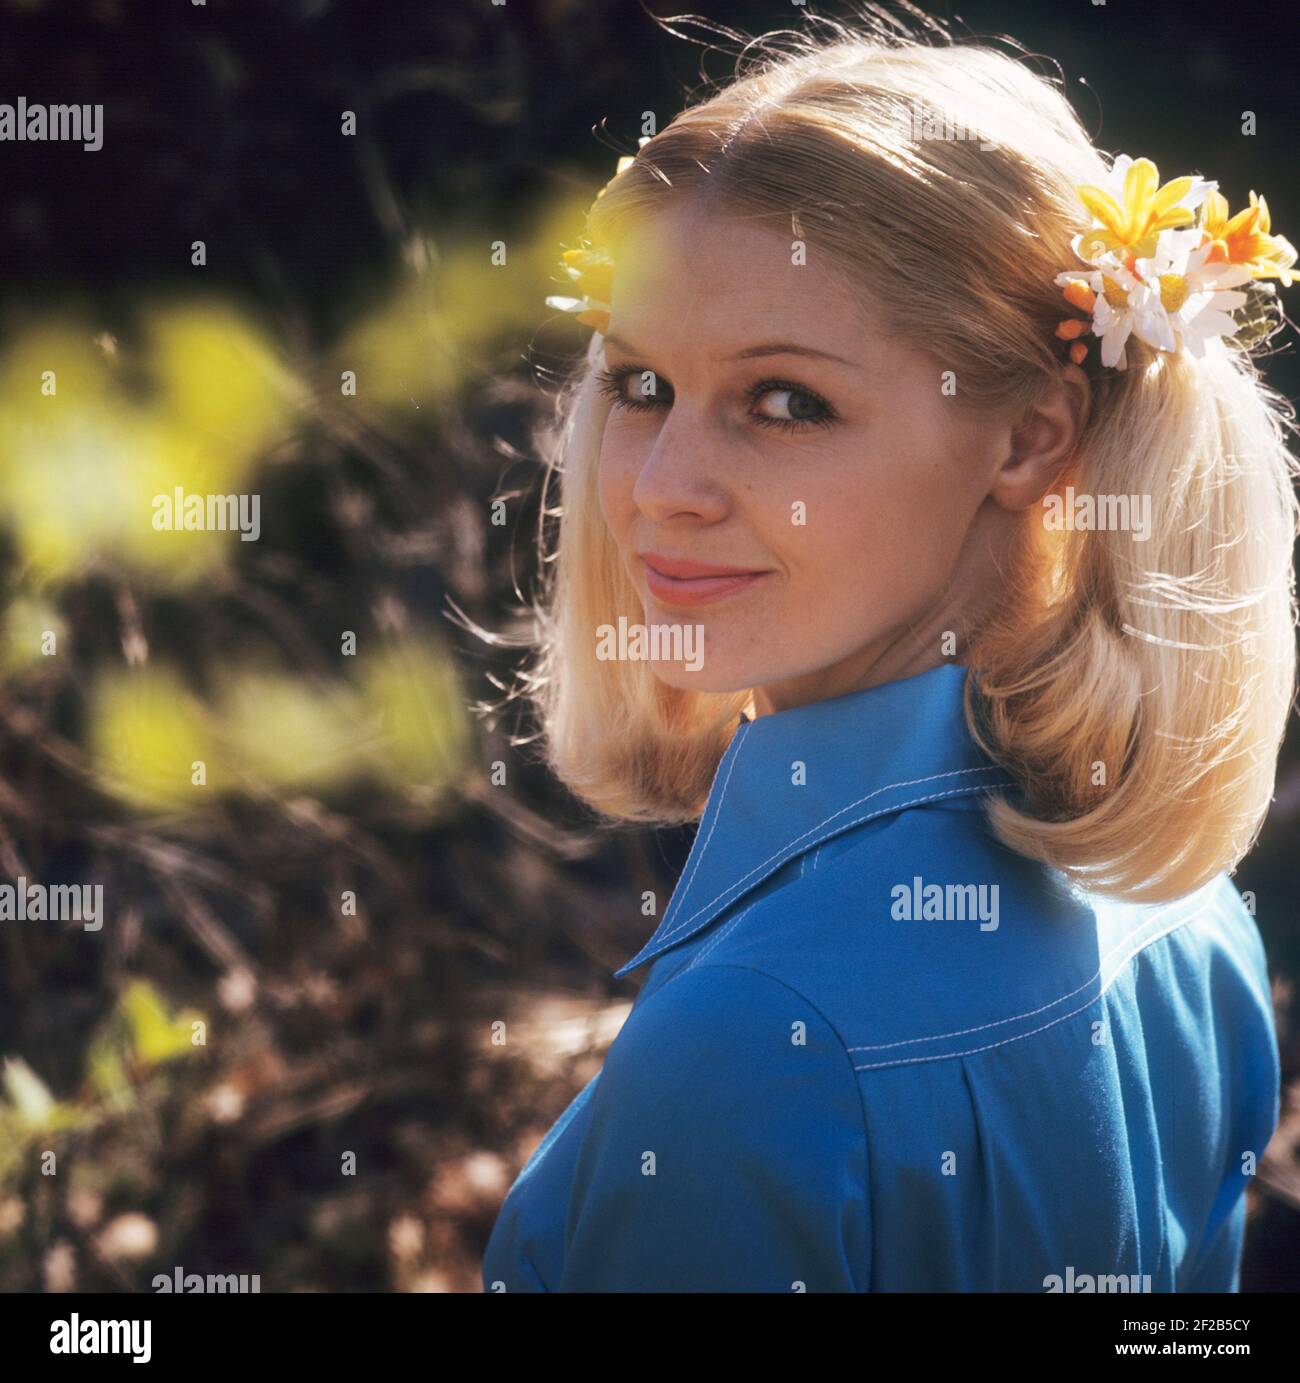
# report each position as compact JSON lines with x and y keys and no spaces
{"x":907,"y":783}
{"x":788,"y":848}
{"x":721,"y":795}
{"x":866,"y":816}
{"x":738,"y":917}
{"x":1029,"y":1013}
{"x":988,"y":1047}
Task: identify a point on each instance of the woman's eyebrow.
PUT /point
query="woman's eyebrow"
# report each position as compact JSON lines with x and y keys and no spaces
{"x":791,"y":348}
{"x":750,"y":352}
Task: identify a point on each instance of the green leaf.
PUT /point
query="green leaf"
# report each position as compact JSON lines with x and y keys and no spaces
{"x":1260,"y":317}
{"x":107,"y":1072}
{"x":155,"y":1037}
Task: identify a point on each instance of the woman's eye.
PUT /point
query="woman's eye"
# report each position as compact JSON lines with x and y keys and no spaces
{"x":790,"y":405}
{"x":772,"y":402}
{"x":636,"y":389}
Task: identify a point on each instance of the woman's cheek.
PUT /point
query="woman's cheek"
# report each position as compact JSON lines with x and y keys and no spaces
{"x":614,"y":482}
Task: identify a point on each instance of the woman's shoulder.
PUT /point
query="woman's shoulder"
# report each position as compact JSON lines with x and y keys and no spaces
{"x":936,"y":943}
{"x":786,"y":1096}
{"x":726,"y":1140}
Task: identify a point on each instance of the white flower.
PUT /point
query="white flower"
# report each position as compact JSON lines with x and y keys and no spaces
{"x":1172,"y":300}
{"x":1187,"y":301}
{"x":1120,"y":299}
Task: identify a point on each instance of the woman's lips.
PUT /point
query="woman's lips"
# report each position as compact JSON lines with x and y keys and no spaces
{"x":677,"y":581}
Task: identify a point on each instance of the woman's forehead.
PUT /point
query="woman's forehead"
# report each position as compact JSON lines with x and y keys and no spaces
{"x":733,"y":282}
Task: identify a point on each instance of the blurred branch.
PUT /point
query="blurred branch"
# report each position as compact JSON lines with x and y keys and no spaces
{"x":527,"y":825}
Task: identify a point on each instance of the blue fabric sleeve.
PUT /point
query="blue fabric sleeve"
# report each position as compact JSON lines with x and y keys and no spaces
{"x":726,"y":1149}
{"x":1249,"y":1080}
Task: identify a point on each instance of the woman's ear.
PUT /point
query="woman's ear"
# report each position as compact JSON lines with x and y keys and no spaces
{"x":1043,"y":441}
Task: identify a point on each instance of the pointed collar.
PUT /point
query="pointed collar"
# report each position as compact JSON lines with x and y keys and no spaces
{"x":791,"y":780}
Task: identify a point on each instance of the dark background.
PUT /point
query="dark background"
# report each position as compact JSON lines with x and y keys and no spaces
{"x":329,"y":1033}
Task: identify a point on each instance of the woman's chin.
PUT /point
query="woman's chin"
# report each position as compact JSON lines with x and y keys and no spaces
{"x":706,"y":679}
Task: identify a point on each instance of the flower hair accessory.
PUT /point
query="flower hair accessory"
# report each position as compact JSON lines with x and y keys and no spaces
{"x":1166,"y":264}
{"x":592,"y":272}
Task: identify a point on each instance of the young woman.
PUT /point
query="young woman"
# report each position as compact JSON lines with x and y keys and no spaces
{"x":927,"y":536}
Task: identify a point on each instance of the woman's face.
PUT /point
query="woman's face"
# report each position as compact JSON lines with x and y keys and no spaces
{"x":765,"y":422}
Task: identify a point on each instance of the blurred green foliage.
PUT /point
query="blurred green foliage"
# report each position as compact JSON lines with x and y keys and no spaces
{"x":253,"y":743}
{"x":137,"y":1037}
{"x":91,"y":432}
{"x":341,"y":902}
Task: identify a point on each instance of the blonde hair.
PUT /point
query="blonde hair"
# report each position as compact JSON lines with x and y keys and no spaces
{"x":1136,"y":691}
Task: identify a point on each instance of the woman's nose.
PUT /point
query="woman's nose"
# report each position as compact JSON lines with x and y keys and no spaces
{"x":683,"y":472}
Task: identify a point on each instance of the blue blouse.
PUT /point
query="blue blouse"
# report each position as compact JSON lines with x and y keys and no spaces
{"x":877,"y":1051}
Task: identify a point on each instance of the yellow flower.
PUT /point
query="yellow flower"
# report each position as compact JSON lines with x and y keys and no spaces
{"x":592,"y":271}
{"x":1244,"y":239}
{"x":1130,"y":223}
